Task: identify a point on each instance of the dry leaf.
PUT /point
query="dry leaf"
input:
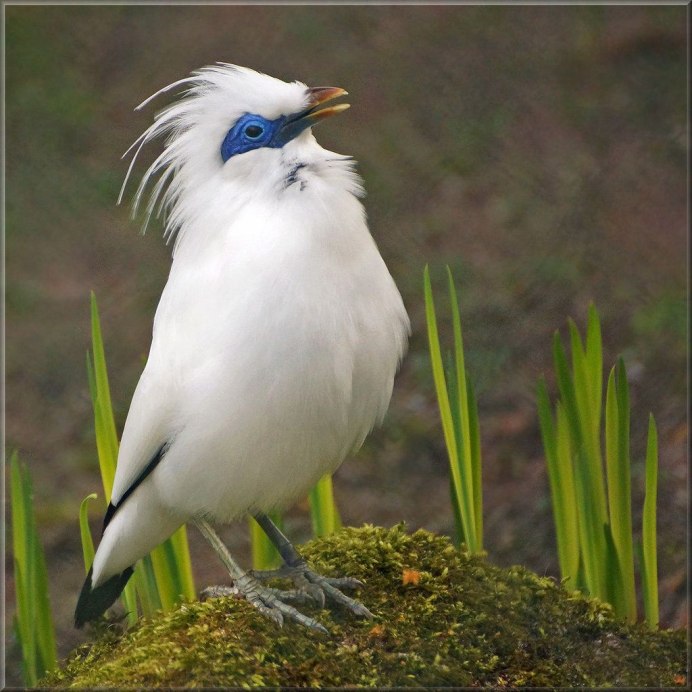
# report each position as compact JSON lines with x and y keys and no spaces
{"x":410,"y":576}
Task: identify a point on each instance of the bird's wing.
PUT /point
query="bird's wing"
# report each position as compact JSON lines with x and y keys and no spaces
{"x":147,"y":434}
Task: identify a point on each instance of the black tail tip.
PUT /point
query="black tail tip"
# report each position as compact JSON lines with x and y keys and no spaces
{"x":93,"y":603}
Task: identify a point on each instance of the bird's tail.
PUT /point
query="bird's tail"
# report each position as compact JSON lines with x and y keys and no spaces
{"x":93,"y":602}
{"x":132,"y":530}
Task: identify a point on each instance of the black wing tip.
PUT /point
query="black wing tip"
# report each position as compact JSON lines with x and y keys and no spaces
{"x":93,"y":603}
{"x":110,"y":511}
{"x":153,"y":463}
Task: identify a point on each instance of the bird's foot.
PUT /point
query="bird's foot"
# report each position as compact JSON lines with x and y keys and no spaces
{"x":272,"y":603}
{"x":315,"y":587}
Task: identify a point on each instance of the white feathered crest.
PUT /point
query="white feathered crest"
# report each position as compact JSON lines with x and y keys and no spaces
{"x":192,"y":123}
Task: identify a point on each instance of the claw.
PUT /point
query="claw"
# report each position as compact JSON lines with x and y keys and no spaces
{"x":345,"y":582}
{"x":291,"y":596}
{"x":328,"y":586}
{"x":282,"y":608}
{"x":310,"y":587}
{"x":270,"y":602}
{"x":317,"y":587}
{"x":318,"y":596}
{"x":218,"y":592}
{"x":312,"y":591}
{"x":272,"y":613}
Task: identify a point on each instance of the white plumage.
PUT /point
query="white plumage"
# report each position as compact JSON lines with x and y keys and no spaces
{"x":279,"y":331}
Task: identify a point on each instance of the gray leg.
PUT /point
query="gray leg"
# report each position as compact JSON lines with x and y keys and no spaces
{"x":307,"y":581}
{"x":281,"y":543}
{"x":268,"y":601}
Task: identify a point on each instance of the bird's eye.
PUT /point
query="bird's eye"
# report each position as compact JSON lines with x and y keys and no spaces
{"x":253,"y":131}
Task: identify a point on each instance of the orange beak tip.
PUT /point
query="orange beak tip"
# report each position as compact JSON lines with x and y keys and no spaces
{"x":329,"y":111}
{"x":319,"y":95}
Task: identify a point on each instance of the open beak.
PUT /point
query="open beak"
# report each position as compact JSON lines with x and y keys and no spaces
{"x":313,"y":114}
{"x":319,"y":95}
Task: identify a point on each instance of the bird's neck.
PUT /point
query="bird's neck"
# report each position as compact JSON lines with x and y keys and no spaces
{"x":301,"y":188}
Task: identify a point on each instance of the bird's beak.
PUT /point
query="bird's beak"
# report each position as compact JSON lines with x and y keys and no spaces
{"x":319,"y":95}
{"x":313,"y":114}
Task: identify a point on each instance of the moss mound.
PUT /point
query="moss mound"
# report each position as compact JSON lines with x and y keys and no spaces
{"x":442,"y":618}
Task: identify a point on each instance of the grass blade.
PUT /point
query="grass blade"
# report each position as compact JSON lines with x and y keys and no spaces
{"x":264,"y":554}
{"x":458,"y":450}
{"x":602,"y":504}
{"x":184,"y":576}
{"x":172,"y":570}
{"x":464,"y":457}
{"x":106,"y":437}
{"x":561,"y":479}
{"x":23,"y":629}
{"x":619,"y":486}
{"x":33,"y":620}
{"x":323,"y":512}
{"x":460,"y":537}
{"x":649,"y":559}
{"x":85,"y":532}
{"x":475,"y":434}
{"x":573,"y":525}
{"x":571,"y":449}
{"x":566,"y":387}
{"x":615,"y":588}
{"x":44,"y":619}
{"x":594,"y":362}
{"x":588,"y":423}
{"x":25,"y":605}
{"x":168,"y":586}
{"x":591,"y":538}
{"x":146,"y":589}
{"x":590,"y":520}
{"x":439,"y":379}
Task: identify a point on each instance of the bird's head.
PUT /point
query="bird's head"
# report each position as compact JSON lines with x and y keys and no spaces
{"x":276,"y":128}
{"x":232,"y":127}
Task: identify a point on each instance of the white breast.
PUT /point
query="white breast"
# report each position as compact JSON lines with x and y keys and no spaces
{"x":282,"y":337}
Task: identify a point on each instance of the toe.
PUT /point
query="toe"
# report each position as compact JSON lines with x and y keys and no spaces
{"x":218,"y":592}
{"x":271,"y":612}
{"x":312,"y":590}
{"x":330,"y":586}
{"x":288,"y":611}
{"x":345,"y":582}
{"x":291,"y":595}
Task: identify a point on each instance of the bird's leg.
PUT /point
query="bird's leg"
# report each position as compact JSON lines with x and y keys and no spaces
{"x":269,"y":602}
{"x":306,"y":580}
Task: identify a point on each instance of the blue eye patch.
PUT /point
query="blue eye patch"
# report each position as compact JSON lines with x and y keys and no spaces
{"x":252,"y":132}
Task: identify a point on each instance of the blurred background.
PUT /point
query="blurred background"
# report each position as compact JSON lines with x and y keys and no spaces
{"x":540,"y":151}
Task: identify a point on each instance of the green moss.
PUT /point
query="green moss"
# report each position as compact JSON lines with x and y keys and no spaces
{"x":465,"y":622}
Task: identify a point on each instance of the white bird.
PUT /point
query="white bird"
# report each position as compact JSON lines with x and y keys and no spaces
{"x":275,"y":342}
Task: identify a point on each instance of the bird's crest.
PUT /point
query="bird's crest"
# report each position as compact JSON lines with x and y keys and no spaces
{"x":209,"y":98}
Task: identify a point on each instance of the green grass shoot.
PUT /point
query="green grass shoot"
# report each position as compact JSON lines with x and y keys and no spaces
{"x":164,"y":577}
{"x":459,"y":415}
{"x":324,"y":517}
{"x":264,"y":554}
{"x":323,"y":511}
{"x":33,"y":619}
{"x":649,"y":565}
{"x":590,"y":486}
{"x":85,"y":532}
